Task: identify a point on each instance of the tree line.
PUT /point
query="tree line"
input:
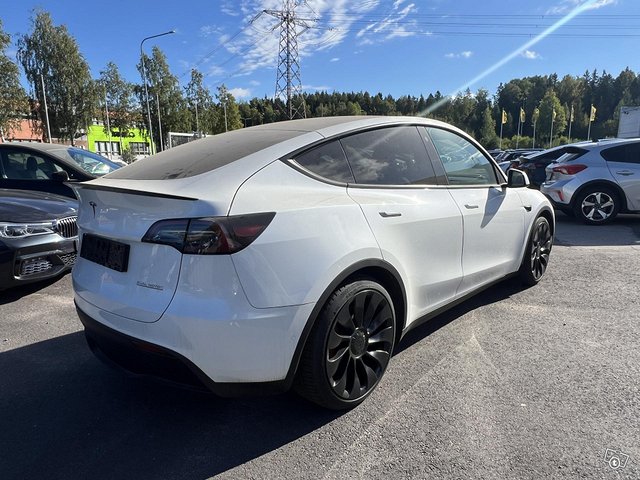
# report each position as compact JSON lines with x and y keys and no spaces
{"x":56,"y":69}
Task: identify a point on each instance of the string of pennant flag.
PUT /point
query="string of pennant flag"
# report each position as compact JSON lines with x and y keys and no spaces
{"x":536,"y":114}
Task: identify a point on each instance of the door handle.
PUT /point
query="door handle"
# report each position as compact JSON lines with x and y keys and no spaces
{"x":390,"y":214}
{"x":470,"y":207}
{"x":625,"y":173}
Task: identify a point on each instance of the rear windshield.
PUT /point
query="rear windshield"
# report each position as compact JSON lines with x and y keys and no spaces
{"x":204,"y":155}
{"x":571,"y":154}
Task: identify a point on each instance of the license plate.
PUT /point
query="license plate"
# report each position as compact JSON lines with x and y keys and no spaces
{"x":105,"y":252}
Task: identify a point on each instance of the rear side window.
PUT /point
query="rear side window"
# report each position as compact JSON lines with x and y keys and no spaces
{"x":463,"y":163}
{"x":629,"y":153}
{"x":328,"y":161}
{"x":389,"y":156}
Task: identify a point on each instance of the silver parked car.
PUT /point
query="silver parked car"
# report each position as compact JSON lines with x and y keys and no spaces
{"x":596,"y":181}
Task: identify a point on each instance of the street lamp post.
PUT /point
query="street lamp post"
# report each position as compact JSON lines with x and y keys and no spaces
{"x":146,"y":91}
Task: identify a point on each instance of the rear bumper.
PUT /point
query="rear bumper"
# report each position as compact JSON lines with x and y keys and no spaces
{"x":558,"y":192}
{"x":36,"y":258}
{"x":138,"y":358}
{"x":231,"y":353}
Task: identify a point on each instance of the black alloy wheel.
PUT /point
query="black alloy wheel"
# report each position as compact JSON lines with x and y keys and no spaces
{"x":350,"y":346}
{"x":536,"y":259}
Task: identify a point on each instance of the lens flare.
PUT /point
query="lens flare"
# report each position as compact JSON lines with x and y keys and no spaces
{"x":564,"y":20}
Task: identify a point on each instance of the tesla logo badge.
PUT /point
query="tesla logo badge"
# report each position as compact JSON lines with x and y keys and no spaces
{"x":93,"y":205}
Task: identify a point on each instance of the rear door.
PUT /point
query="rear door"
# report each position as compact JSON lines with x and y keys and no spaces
{"x":624,"y":164}
{"x":417,"y":225}
{"x":493,"y":215}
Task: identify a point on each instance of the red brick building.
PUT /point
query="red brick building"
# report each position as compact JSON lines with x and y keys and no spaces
{"x":28,"y":130}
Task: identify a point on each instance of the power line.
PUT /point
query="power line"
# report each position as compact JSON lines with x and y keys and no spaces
{"x":221,"y":45}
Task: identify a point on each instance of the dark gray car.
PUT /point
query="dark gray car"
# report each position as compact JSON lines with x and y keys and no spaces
{"x":47,"y":167}
{"x":38,"y":236}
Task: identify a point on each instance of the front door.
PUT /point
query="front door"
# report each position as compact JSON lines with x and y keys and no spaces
{"x":493,"y":215}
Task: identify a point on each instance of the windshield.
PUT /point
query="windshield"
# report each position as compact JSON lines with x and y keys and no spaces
{"x":91,"y":162}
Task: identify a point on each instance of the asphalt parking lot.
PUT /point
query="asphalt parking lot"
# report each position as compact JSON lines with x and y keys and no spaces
{"x":535,"y":383}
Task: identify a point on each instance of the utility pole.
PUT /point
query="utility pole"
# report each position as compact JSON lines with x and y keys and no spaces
{"x":288,"y":83}
{"x":46,"y":110}
{"x":146,"y":90}
{"x":106,"y":109}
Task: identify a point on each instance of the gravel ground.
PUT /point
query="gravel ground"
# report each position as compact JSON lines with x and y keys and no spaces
{"x":530,"y":384}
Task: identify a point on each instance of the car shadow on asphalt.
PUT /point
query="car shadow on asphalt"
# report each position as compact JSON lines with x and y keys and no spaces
{"x":623,"y":230}
{"x":63,"y":414}
{"x":15,"y":293}
{"x":493,"y":294}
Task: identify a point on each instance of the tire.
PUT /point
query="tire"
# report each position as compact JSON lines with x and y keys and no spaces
{"x":597,"y":205}
{"x":536,"y":255}
{"x":349,"y":347}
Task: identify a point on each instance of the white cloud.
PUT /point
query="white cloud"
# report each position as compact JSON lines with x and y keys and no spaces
{"x":393,"y":25}
{"x":240,"y":92}
{"x":207,"y":31}
{"x":257,"y":46}
{"x":465,"y":54}
{"x":318,"y":88}
{"x":530,"y":55}
{"x":231,"y":9}
{"x":566,"y":6}
{"x":215,"y":71}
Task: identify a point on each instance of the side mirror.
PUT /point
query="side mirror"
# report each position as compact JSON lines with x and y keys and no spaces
{"x":517,"y":178}
{"x":60,"y":176}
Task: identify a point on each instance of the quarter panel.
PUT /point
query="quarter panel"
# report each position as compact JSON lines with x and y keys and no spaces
{"x":318,"y":231}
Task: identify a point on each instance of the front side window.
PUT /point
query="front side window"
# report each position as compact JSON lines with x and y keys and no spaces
{"x":463,"y":163}
{"x":328,"y":161}
{"x":389,"y":156}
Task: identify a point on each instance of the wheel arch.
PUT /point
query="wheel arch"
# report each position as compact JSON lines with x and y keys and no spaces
{"x":601,"y":183}
{"x":548,"y":214}
{"x":374,"y":269}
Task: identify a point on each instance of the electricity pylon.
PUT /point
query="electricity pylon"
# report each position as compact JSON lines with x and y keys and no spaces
{"x":288,"y":83}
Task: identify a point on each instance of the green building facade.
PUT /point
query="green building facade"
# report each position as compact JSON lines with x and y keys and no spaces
{"x":99,"y":141}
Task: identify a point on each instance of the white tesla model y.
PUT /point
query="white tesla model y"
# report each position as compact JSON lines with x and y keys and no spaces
{"x":297,"y":253}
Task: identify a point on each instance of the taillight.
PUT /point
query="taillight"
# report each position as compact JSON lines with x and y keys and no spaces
{"x":211,"y":235}
{"x":569,"y":169}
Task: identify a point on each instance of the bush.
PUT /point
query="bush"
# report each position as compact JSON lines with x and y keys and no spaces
{"x":127,"y":155}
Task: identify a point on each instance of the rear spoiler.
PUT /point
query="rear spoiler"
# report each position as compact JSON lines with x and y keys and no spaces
{"x":88,"y":186}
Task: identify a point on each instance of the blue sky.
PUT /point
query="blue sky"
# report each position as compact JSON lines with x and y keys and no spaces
{"x":395,"y":47}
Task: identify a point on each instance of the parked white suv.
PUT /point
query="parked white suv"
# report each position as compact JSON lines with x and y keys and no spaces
{"x":596,"y":181}
{"x":297,"y":253}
